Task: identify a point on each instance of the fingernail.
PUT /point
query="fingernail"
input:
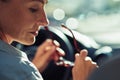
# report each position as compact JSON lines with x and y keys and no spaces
{"x":56,"y":43}
{"x":48,"y":40}
{"x":84,"y":50}
{"x":88,"y":58}
{"x":60,"y":51}
{"x":77,"y":54}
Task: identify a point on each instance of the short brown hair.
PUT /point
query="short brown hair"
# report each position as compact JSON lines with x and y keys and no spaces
{"x":4,"y":0}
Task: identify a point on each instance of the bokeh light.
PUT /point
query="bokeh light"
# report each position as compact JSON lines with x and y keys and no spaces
{"x":58,"y":14}
{"x":72,"y":23}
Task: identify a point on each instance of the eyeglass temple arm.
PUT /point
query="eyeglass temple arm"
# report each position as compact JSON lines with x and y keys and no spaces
{"x":74,"y":39}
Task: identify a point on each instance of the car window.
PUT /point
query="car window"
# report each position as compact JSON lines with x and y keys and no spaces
{"x":99,"y":19}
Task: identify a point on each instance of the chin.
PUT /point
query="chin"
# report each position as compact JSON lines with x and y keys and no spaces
{"x":27,"y":42}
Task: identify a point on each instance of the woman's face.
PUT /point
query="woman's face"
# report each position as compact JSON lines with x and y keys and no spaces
{"x":20,"y":20}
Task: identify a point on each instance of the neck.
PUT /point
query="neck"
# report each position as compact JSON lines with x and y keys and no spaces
{"x":4,"y":38}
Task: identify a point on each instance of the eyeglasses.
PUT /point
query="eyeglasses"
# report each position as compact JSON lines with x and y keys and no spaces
{"x":74,"y":39}
{"x":62,"y":60}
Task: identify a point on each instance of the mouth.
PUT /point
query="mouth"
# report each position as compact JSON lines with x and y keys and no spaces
{"x":35,"y":30}
{"x":35,"y":33}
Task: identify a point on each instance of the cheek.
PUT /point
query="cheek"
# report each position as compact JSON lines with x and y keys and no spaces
{"x":23,"y":17}
{"x":27,"y":17}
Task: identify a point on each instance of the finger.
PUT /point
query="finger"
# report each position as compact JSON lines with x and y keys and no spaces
{"x":56,"y":43}
{"x":80,"y":57}
{"x":47,"y":42}
{"x":55,"y":57}
{"x":88,"y":59}
{"x":60,"y":52}
{"x":45,"y":45}
{"x":49,"y":52}
{"x":93,"y":66}
{"x":83,"y":54}
{"x":77,"y":60}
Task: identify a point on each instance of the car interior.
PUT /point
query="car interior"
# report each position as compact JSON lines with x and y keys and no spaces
{"x":94,"y":24}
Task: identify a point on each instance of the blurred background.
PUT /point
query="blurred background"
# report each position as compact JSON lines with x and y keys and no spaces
{"x":99,"y":19}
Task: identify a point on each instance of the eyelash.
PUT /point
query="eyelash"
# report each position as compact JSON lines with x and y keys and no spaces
{"x":33,"y":10}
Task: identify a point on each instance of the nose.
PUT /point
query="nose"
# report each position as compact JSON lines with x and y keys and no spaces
{"x":42,"y":19}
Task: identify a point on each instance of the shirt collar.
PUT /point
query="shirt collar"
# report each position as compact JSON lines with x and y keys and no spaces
{"x":11,"y":50}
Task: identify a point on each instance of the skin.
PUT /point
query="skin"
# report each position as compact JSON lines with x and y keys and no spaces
{"x":20,"y":20}
{"x":25,"y":23}
{"x":83,"y":66}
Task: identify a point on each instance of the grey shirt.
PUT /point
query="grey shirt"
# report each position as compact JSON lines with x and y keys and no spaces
{"x":14,"y":64}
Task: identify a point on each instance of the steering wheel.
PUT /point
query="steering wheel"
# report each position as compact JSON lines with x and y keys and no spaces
{"x":54,"y":72}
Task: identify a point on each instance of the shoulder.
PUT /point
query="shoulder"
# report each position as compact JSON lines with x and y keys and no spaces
{"x":17,"y":68}
{"x":14,"y":64}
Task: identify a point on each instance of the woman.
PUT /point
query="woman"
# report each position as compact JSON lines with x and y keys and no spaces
{"x":20,"y":20}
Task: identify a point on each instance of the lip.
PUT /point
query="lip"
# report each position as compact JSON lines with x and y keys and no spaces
{"x":35,"y":30}
{"x":35,"y":33}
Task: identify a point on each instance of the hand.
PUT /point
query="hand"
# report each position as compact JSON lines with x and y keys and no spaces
{"x":83,"y":66}
{"x":49,"y":50}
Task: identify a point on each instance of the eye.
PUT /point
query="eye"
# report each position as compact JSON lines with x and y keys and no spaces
{"x":33,"y":10}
